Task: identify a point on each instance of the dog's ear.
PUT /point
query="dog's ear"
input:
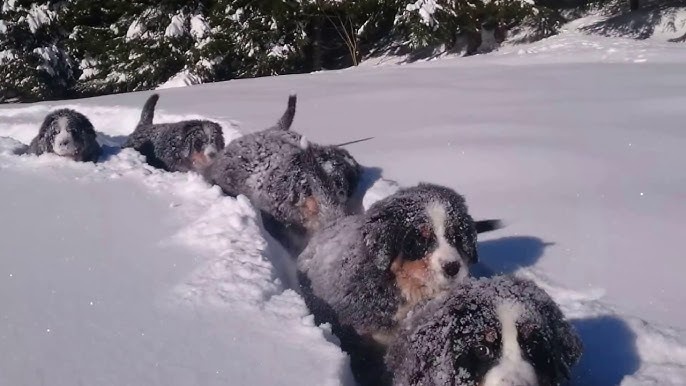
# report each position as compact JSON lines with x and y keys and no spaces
{"x":42,"y":143}
{"x":381,"y":234}
{"x":565,"y":344}
{"x":567,"y":348}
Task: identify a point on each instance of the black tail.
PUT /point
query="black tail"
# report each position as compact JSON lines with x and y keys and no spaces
{"x":483,"y":226}
{"x":355,"y":141}
{"x":148,"y":112}
{"x":287,"y":118}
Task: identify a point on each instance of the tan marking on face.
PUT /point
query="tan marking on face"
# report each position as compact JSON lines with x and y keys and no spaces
{"x":310,"y":212}
{"x":490,"y":336}
{"x":411,"y":278}
{"x":199,"y":160}
{"x":425,"y":231}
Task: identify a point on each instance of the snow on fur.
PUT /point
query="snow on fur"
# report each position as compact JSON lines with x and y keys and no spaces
{"x":573,"y":143}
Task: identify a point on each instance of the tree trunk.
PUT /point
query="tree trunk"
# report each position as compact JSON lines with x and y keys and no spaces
{"x":633,"y":4}
{"x":317,"y":44}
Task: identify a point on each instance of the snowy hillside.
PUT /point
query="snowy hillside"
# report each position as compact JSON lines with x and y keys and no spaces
{"x":117,"y":273}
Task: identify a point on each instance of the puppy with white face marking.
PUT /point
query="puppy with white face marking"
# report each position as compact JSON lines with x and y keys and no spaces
{"x":501,"y":331}
{"x":365,"y":272}
{"x":184,"y":146}
{"x":277,"y":170}
{"x":69,"y":134}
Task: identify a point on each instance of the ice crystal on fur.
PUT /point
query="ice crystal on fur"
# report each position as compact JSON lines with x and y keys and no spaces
{"x":440,"y":337}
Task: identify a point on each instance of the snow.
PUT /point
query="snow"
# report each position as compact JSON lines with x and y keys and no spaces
{"x":49,"y":58}
{"x":135,"y":30}
{"x":575,"y":142}
{"x":9,"y":5}
{"x":199,"y":27}
{"x":89,"y":68}
{"x":182,"y":79}
{"x":38,"y":16}
{"x":426,"y":10}
{"x":280,"y":51}
{"x":176,"y":26}
{"x":3,"y":27}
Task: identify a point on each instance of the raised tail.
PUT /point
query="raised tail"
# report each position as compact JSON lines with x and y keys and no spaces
{"x":483,"y":226}
{"x":287,"y":118}
{"x":148,"y":112}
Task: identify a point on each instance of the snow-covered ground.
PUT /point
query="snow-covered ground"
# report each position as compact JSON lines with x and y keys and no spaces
{"x":117,"y":273}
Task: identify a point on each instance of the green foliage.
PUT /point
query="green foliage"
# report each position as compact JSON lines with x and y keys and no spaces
{"x":85,"y":47}
{"x":33,"y":61}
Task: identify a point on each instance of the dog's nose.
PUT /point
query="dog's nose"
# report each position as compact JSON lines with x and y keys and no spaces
{"x":211,"y":154}
{"x":451,"y":269}
{"x":65,"y":142}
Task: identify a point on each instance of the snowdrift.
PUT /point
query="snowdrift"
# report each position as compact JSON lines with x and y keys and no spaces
{"x":117,"y":273}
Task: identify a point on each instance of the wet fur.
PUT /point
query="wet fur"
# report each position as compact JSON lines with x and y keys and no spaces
{"x":78,"y":126}
{"x":177,"y":146}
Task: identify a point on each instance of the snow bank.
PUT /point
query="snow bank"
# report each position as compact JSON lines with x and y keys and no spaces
{"x":187,"y":294}
{"x":574,"y":141}
{"x":182,"y":79}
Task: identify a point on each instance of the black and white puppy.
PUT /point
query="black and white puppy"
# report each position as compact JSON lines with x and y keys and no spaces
{"x":365,"y":272}
{"x":500,"y":331}
{"x":69,"y":134}
{"x":183,"y":146}
{"x":278,"y":171}
{"x":337,"y":163}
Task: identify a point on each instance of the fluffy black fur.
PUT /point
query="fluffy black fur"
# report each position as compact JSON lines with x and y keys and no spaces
{"x":183,"y":146}
{"x":337,"y":163}
{"x":456,"y":339}
{"x":346,"y":271}
{"x":348,"y":263}
{"x":277,"y":170}
{"x":342,"y":169}
{"x":76,"y":141}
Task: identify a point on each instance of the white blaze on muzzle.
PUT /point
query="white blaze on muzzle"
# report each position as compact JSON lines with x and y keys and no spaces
{"x":512,"y":369}
{"x":63,"y":143}
{"x":445,"y":254}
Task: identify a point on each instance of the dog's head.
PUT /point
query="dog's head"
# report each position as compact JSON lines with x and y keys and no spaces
{"x":424,"y":237}
{"x":201,"y":142}
{"x":311,"y":189}
{"x":341,"y":168}
{"x":500,"y":331}
{"x":70,"y":134}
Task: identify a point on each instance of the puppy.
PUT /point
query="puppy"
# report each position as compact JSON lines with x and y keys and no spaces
{"x":336,"y":162}
{"x":501,"y":331}
{"x":69,"y":134}
{"x":365,"y":272}
{"x":342,"y":169}
{"x":176,"y":147}
{"x":278,"y":171}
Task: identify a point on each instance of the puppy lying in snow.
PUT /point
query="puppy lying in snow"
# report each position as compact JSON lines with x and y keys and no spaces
{"x":365,"y":272}
{"x":183,"y":146}
{"x":67,"y":133}
{"x":336,"y":162}
{"x":501,"y":331}
{"x":278,"y":171}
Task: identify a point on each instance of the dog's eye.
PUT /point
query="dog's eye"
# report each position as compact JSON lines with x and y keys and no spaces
{"x":482,"y":352}
{"x":415,"y":246}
